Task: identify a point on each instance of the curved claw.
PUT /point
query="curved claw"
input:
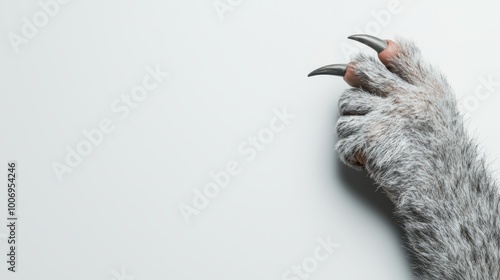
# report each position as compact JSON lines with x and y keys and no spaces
{"x":333,"y":69}
{"x":371,"y":41}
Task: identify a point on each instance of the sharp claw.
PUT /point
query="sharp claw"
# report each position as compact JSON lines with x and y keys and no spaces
{"x":333,"y":69}
{"x":371,"y":41}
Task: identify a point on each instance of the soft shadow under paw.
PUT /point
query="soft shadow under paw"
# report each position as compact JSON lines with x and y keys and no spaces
{"x":362,"y":186}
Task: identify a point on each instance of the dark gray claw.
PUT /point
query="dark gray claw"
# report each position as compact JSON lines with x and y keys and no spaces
{"x":371,"y":41}
{"x":334,"y":69}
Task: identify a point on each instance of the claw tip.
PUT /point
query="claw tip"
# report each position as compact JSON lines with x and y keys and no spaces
{"x":333,"y":69}
{"x":371,"y":41}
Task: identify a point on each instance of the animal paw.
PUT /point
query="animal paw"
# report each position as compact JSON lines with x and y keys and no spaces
{"x":400,"y":116}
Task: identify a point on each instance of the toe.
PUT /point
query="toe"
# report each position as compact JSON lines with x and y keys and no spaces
{"x":350,"y":151}
{"x":388,"y":53}
{"x":404,"y":58}
{"x":370,"y":74}
{"x":349,"y":125}
{"x":355,"y":101}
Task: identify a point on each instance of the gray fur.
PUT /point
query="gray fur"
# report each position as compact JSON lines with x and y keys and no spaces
{"x":406,"y":124}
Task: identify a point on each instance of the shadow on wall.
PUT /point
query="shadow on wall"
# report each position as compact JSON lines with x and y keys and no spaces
{"x":363,"y":187}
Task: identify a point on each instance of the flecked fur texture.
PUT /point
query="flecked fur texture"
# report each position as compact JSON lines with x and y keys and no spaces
{"x":406,"y":124}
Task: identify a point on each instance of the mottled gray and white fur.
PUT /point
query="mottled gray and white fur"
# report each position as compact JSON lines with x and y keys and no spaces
{"x":406,"y":124}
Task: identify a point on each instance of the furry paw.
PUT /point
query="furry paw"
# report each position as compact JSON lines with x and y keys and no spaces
{"x":400,"y":121}
{"x":400,"y":116}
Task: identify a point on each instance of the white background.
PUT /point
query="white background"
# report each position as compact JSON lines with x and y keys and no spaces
{"x":116,"y":215}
